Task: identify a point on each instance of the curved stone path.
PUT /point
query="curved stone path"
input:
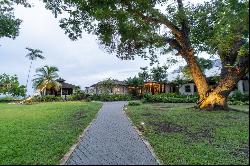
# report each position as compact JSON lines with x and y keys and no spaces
{"x":111,"y":140}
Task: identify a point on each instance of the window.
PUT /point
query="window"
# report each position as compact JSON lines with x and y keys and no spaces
{"x":187,"y":88}
{"x":243,"y":86}
{"x":195,"y":88}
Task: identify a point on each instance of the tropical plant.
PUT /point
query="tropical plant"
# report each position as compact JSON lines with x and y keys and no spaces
{"x":33,"y":55}
{"x":46,"y":79}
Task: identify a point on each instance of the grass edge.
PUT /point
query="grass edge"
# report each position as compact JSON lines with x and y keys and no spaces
{"x":66,"y":157}
{"x":144,"y":140}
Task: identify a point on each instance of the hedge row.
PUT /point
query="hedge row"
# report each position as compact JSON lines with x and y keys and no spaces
{"x":110,"y":97}
{"x":170,"y":98}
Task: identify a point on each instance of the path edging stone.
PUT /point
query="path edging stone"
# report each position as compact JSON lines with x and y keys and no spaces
{"x":144,"y":140}
{"x":73,"y":147}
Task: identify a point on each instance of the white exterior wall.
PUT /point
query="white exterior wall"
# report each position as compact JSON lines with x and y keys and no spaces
{"x":182,"y":89}
{"x":240,"y":85}
{"x":91,"y":90}
{"x":115,"y":90}
{"x":120,"y":90}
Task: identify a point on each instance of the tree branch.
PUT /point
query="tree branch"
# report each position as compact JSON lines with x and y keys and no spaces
{"x":149,"y":19}
{"x":164,"y":21}
{"x":184,"y":22}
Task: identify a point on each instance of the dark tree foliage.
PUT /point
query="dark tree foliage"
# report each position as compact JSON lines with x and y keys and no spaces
{"x":9,"y":85}
{"x":9,"y":24}
{"x":159,"y":74}
{"x":144,"y":74}
{"x":222,"y":28}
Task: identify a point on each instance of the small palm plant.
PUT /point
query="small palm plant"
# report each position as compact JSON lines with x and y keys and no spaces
{"x":46,"y":79}
{"x":33,"y":55}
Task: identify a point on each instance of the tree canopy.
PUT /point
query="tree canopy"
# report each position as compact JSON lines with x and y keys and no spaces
{"x":9,"y":24}
{"x":34,"y":54}
{"x":222,"y":28}
{"x":106,"y":85}
{"x":148,"y":28}
{"x":9,"y":85}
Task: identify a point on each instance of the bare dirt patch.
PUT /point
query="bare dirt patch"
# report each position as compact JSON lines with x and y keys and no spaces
{"x":167,"y":127}
{"x":78,"y":115}
{"x":203,"y":134}
{"x":150,"y":115}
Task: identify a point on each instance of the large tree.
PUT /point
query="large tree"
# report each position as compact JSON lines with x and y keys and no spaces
{"x":9,"y":85}
{"x":146,"y":27}
{"x":9,"y":24}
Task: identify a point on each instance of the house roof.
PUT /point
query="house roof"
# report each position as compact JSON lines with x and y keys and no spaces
{"x":64,"y":84}
{"x":60,"y":80}
{"x":116,"y":82}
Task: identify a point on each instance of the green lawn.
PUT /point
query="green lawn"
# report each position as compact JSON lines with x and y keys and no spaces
{"x":42,"y":133}
{"x":180,"y":134}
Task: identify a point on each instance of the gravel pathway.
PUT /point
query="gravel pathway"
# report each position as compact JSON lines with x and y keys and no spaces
{"x":111,"y":140}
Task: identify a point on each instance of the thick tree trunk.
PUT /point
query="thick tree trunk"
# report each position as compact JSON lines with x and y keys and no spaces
{"x":212,"y":99}
{"x":197,"y":75}
{"x":217,"y":98}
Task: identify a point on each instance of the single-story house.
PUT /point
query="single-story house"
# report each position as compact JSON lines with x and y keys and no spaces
{"x":242,"y":86}
{"x":189,"y":88}
{"x":118,"y":87}
{"x":65,"y":90}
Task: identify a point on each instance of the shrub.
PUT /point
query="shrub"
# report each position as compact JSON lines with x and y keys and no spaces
{"x":110,"y":97}
{"x":87,"y":100}
{"x":134,"y":103}
{"x":77,"y":96}
{"x":7,"y":99}
{"x":238,"y":96}
{"x":238,"y":103}
{"x":170,"y":98}
{"x":48,"y":98}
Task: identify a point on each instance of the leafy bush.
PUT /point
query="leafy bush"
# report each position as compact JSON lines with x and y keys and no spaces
{"x":110,"y":97}
{"x":48,"y":98}
{"x":238,"y":96}
{"x":78,"y":96}
{"x":170,"y":98}
{"x":87,"y":100}
{"x":134,"y":103}
{"x":7,"y":99}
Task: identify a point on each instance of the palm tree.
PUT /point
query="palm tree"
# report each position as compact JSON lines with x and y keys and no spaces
{"x":33,"y":55}
{"x":46,"y":79}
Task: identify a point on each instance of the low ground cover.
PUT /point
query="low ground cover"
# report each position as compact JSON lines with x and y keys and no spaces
{"x":42,"y":133}
{"x":181,"y":134}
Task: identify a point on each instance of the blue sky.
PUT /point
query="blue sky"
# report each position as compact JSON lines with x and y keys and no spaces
{"x":80,"y":62}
